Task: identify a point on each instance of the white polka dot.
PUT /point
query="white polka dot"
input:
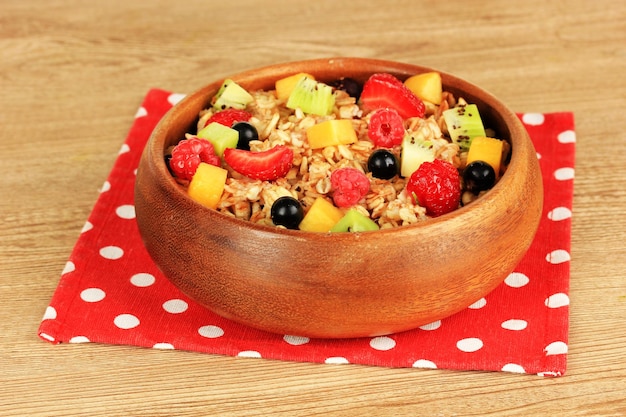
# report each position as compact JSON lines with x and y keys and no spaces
{"x":126,"y":321}
{"x":424,"y":363}
{"x":549,"y":373}
{"x":173,"y":99}
{"x":124,"y":149}
{"x":163,"y":346}
{"x":382,"y":343}
{"x":564,"y":174}
{"x":336,"y":360}
{"x":514,"y":324}
{"x":211,"y":332}
{"x":295,"y":340}
{"x":143,"y":279}
{"x":175,"y":306}
{"x":431,"y":326}
{"x":69,"y":267}
{"x":478,"y":304}
{"x":568,"y":136}
{"x":556,"y":348}
{"x":92,"y":295}
{"x":471,"y":344}
{"x":249,"y":354}
{"x":538,"y":155}
{"x":126,"y":212}
{"x":558,"y":256}
{"x":50,"y":313}
{"x":557,"y":300}
{"x":79,"y":339}
{"x":516,"y":280}
{"x":533,"y":119}
{"x":559,"y":213}
{"x":106,"y":186}
{"x":513,"y":367}
{"x":111,"y":252}
{"x":47,"y":337}
{"x":86,"y":227}
{"x":141,"y":112}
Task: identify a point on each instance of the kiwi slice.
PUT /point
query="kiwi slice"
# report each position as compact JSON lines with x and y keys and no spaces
{"x":354,"y":221}
{"x":415,"y":151}
{"x":312,"y":97}
{"x":220,"y":136}
{"x":464,"y":124}
{"x":231,"y":95}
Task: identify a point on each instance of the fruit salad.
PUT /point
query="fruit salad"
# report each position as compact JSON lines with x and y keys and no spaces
{"x":339,"y":155}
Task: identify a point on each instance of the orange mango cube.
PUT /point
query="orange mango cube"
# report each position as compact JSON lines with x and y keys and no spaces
{"x":331,"y":133}
{"x":427,"y":86}
{"x":488,"y":150}
{"x":321,"y":217}
{"x":207,"y":185}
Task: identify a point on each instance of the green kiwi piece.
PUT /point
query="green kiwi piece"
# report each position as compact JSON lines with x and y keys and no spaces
{"x":354,"y":221}
{"x":220,"y":136}
{"x":231,"y":95}
{"x":415,"y":151}
{"x":312,"y":97}
{"x":464,"y":124}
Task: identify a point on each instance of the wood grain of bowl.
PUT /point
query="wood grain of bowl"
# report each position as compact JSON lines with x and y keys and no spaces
{"x":343,"y":284}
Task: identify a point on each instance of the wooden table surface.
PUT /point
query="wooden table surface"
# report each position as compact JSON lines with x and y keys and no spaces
{"x":72,"y":75}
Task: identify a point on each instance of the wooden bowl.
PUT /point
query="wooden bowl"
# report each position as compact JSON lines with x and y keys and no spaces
{"x":344,"y":284}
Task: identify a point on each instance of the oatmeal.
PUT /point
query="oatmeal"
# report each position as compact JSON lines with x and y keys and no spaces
{"x":284,"y":152}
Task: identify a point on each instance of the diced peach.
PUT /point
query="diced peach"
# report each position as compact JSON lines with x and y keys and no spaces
{"x":321,"y":217}
{"x":207,"y":184}
{"x":331,"y":133}
{"x":285,"y":86}
{"x":488,"y":150}
{"x":426,"y":86}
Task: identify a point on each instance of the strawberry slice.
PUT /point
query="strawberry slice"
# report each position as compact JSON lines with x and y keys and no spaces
{"x":266,"y":165}
{"x":229,"y":117}
{"x":385,"y":90}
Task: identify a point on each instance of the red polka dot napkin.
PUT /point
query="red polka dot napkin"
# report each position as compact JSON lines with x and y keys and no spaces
{"x":111,"y":292}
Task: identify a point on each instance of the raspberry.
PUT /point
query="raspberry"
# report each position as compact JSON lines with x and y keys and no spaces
{"x":187,"y":155}
{"x":349,"y":185}
{"x":436,"y":186}
{"x":386,"y":128}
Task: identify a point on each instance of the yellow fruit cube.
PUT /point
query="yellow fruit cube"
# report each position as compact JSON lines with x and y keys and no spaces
{"x":321,"y":217}
{"x":426,"y":86}
{"x":207,"y":184}
{"x":285,"y":86}
{"x":331,"y":133}
{"x":488,"y":150}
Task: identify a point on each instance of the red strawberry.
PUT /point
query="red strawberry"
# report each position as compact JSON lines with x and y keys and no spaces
{"x":436,"y":186}
{"x":187,"y":155}
{"x":349,"y":185}
{"x":266,"y":165}
{"x":386,"y":128}
{"x":229,"y":117}
{"x":385,"y":90}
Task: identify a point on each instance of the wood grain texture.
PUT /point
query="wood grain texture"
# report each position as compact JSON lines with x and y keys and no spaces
{"x":72,"y":75}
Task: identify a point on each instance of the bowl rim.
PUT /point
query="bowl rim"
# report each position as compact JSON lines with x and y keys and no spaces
{"x":516,"y":134}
